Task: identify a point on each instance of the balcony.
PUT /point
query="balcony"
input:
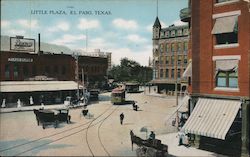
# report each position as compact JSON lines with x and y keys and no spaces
{"x":185,"y":14}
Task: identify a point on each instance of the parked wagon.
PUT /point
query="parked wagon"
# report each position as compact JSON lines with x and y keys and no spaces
{"x":48,"y":117}
{"x":148,"y":147}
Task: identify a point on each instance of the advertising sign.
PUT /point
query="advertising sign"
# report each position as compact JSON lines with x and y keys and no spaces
{"x":22,"y":44}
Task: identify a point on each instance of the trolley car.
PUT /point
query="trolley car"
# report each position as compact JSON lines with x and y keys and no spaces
{"x":118,"y":96}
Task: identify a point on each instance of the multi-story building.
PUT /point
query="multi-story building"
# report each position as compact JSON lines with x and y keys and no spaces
{"x":53,"y":76}
{"x":220,"y":75}
{"x":170,"y":46}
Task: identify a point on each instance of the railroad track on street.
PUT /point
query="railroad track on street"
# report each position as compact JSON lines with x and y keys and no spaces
{"x":99,"y":137}
{"x":65,"y":134}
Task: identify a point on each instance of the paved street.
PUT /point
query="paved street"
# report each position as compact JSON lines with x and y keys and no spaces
{"x":101,"y":135}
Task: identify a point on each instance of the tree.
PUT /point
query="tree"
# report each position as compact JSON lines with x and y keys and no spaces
{"x":131,"y":71}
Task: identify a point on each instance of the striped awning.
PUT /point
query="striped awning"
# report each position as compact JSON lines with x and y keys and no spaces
{"x":212,"y":117}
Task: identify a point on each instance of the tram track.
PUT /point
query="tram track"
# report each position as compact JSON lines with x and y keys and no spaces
{"x":67,"y":132}
{"x":99,"y":139}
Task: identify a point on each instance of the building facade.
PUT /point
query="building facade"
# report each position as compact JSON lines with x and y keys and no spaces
{"x":220,"y":75}
{"x":47,"y":76}
{"x":170,"y":46}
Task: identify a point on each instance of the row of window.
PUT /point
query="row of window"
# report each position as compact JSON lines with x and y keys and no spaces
{"x":174,"y":33}
{"x":181,"y":60}
{"x":173,"y":47}
{"x":25,"y":71}
{"x":169,"y":73}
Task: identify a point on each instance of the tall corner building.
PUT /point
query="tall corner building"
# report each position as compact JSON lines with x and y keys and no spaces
{"x":219,"y":87}
{"x":170,"y":46}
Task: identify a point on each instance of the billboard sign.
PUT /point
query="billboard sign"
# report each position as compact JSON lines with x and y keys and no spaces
{"x":22,"y":44}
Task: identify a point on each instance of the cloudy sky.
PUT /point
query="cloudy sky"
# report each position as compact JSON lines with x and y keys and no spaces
{"x":123,"y":27}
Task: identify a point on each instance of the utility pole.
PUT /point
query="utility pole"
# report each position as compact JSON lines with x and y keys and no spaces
{"x":77,"y":75}
{"x":83,"y":90}
{"x":176,"y":92}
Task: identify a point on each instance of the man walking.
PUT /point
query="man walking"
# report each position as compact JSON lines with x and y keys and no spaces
{"x":121,"y":118}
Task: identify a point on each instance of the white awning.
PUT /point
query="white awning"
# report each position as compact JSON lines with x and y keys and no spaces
{"x":225,"y":25}
{"x":212,"y":117}
{"x":188,"y":71}
{"x":226,"y":65}
{"x":183,"y":107}
{"x":32,"y":86}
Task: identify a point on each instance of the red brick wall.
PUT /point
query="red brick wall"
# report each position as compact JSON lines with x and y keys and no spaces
{"x":203,"y":80}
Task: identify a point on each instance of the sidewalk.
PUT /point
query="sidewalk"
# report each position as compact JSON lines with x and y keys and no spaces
{"x":173,"y":149}
{"x":30,"y":108}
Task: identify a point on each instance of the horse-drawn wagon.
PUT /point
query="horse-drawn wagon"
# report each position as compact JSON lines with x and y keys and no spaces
{"x":148,"y":147}
{"x":48,"y":117}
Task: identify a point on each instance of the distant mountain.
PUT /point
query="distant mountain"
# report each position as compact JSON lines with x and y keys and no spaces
{"x":52,"y":48}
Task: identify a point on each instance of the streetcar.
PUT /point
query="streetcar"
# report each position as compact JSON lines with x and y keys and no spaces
{"x":118,"y":96}
{"x":132,"y":87}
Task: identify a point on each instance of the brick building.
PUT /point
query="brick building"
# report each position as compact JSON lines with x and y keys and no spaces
{"x":51,"y":76}
{"x":170,"y":47}
{"x":220,"y":75}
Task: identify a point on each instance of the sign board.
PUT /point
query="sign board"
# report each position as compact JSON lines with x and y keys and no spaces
{"x":27,"y":60}
{"x":22,"y":44}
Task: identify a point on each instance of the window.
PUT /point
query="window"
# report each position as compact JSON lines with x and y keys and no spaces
{"x":161,"y":48}
{"x":185,"y":60}
{"x":47,"y":70}
{"x":179,"y":32}
{"x":172,"y":73}
{"x":16,"y":71}
{"x":167,"y":48}
{"x":227,"y":79}
{"x":173,"y":47}
{"x":63,"y":70}
{"x":7,"y":71}
{"x":25,"y":71}
{"x":167,"y":60}
{"x":226,"y":30}
{"x":173,"y":33}
{"x":167,"y":34}
{"x":226,"y":38}
{"x":172,"y":60}
{"x":179,"y":60}
{"x":34,"y":70}
{"x":167,"y":75}
{"x":162,"y":34}
{"x":161,"y":73}
{"x":56,"y":69}
{"x":185,"y":46}
{"x":185,"y":31}
{"x":179,"y":47}
{"x":179,"y":73}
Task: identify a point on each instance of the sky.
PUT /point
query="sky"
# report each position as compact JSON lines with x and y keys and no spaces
{"x":123,"y":27}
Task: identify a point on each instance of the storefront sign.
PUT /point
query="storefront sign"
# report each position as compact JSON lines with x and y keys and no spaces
{"x":28,"y":60}
{"x":22,"y":44}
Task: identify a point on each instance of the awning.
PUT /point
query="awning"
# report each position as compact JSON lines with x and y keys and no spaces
{"x":225,"y":25}
{"x":188,"y":71}
{"x":226,"y":65}
{"x":183,"y":107}
{"x":212,"y":117}
{"x":33,"y":86}
{"x":162,"y":81}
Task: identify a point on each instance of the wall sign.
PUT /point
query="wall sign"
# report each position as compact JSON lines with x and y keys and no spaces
{"x":27,"y":60}
{"x":22,"y":44}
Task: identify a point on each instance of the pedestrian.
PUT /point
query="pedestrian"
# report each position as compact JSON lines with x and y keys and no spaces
{"x":121,"y":118}
{"x":152,"y":135}
{"x":181,"y":138}
{"x":3,"y":103}
{"x":31,"y":101}
{"x":19,"y":103}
